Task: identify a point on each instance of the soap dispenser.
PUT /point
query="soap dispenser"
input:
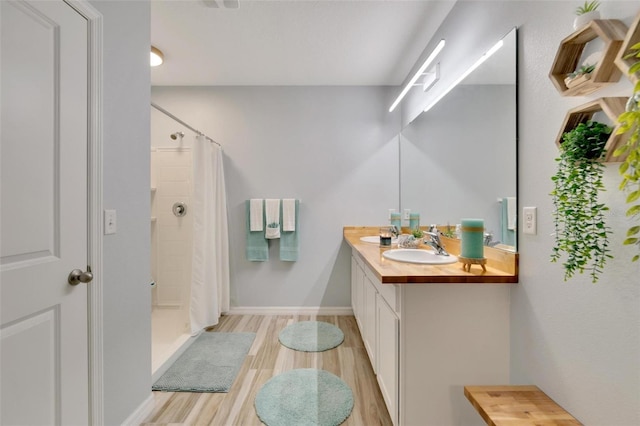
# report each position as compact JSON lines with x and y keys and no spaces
{"x":414,"y":221}
{"x":395,"y":220}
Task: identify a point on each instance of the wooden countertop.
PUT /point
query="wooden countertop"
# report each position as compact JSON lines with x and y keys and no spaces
{"x":502,"y":266}
{"x":517,"y":406}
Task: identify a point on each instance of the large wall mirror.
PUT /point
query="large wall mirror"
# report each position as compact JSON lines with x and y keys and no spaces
{"x":458,"y":160}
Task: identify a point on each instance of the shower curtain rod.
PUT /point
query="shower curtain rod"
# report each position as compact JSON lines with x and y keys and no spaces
{"x":167,"y":113}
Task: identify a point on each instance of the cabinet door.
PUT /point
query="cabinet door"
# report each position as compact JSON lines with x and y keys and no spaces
{"x":369,"y":324}
{"x":354,"y":286}
{"x":357,"y":295}
{"x":388,"y":356}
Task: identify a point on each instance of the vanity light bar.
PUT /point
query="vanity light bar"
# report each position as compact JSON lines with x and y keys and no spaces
{"x":418,"y":73}
{"x":479,"y":62}
{"x":431,"y":78}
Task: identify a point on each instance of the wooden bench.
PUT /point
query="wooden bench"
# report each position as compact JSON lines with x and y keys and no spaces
{"x":517,"y":406}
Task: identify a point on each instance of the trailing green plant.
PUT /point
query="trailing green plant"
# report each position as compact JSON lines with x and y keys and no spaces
{"x":588,"y":6}
{"x":630,"y":167}
{"x":580,"y":228}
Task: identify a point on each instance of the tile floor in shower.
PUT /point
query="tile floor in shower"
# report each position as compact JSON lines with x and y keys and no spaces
{"x":169,"y":331}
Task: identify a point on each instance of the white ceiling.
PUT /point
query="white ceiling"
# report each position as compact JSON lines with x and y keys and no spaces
{"x":291,"y":42}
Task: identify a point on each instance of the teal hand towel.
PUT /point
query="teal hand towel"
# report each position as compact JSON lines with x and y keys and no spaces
{"x":508,"y":235}
{"x":289,"y":244}
{"x":257,"y":245}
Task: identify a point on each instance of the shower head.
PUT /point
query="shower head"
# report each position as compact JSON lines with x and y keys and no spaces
{"x":175,"y":135}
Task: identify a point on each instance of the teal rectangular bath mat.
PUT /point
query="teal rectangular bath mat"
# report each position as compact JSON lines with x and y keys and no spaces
{"x":210,"y":364}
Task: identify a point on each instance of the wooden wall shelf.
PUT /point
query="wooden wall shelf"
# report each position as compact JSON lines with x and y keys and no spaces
{"x":517,"y":405}
{"x":633,"y":37}
{"x":612,"y":32}
{"x":612,"y":107}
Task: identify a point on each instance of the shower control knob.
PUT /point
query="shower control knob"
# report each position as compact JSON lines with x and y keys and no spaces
{"x":78,"y":276}
{"x":179,"y":209}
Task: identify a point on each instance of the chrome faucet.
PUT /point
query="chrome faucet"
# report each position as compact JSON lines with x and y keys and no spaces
{"x":489,"y":241}
{"x":435,"y":243}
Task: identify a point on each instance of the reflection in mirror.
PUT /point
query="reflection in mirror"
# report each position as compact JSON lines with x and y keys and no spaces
{"x":458,"y":159}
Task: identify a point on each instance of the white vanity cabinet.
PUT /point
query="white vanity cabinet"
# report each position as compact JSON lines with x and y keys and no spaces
{"x":427,"y":341}
{"x":379,"y":328}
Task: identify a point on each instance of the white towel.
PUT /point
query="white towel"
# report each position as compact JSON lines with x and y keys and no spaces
{"x":272,"y":212}
{"x":288,"y":214}
{"x":255,"y":216}
{"x":512,"y":217}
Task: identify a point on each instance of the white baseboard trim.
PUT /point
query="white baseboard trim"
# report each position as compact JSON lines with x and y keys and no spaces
{"x":290,"y":310}
{"x":141,"y":413}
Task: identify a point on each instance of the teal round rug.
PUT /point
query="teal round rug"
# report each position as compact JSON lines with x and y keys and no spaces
{"x":304,"y":397}
{"x":311,"y":336}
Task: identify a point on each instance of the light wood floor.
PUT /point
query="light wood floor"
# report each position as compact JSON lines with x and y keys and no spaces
{"x":267,"y":358}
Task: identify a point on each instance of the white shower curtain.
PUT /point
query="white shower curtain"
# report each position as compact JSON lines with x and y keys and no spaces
{"x":210,"y":265}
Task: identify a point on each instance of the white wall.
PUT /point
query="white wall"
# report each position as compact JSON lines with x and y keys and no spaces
{"x":127,"y":299}
{"x":335,"y":148}
{"x":578,"y":341}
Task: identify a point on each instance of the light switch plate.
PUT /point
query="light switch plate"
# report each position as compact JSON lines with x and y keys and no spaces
{"x":110,"y":222}
{"x":530,"y":220}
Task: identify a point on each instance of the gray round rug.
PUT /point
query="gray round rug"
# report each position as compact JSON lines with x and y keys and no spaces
{"x":311,"y":336}
{"x":304,"y":397}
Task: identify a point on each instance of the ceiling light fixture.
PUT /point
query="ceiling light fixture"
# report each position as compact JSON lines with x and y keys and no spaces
{"x":479,"y":62}
{"x":157,"y":57}
{"x":418,"y":73}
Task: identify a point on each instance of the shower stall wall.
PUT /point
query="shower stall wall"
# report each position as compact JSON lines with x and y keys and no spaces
{"x":171,"y":249}
{"x":187,"y":193}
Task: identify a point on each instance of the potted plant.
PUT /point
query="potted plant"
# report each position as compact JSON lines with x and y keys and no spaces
{"x":579,"y":76}
{"x":580,"y":229}
{"x":586,"y":13}
{"x":417,"y":233}
{"x":449,"y":232}
{"x":630,"y":167}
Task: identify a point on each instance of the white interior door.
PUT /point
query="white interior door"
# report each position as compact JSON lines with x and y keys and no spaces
{"x":43,"y":213}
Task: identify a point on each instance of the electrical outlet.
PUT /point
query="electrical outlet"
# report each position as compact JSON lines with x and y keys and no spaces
{"x":109,"y":222}
{"x":530,"y":222}
{"x":407,"y":214}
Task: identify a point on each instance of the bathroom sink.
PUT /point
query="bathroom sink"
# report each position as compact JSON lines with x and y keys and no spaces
{"x":375,"y":239}
{"x":426,"y":257}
